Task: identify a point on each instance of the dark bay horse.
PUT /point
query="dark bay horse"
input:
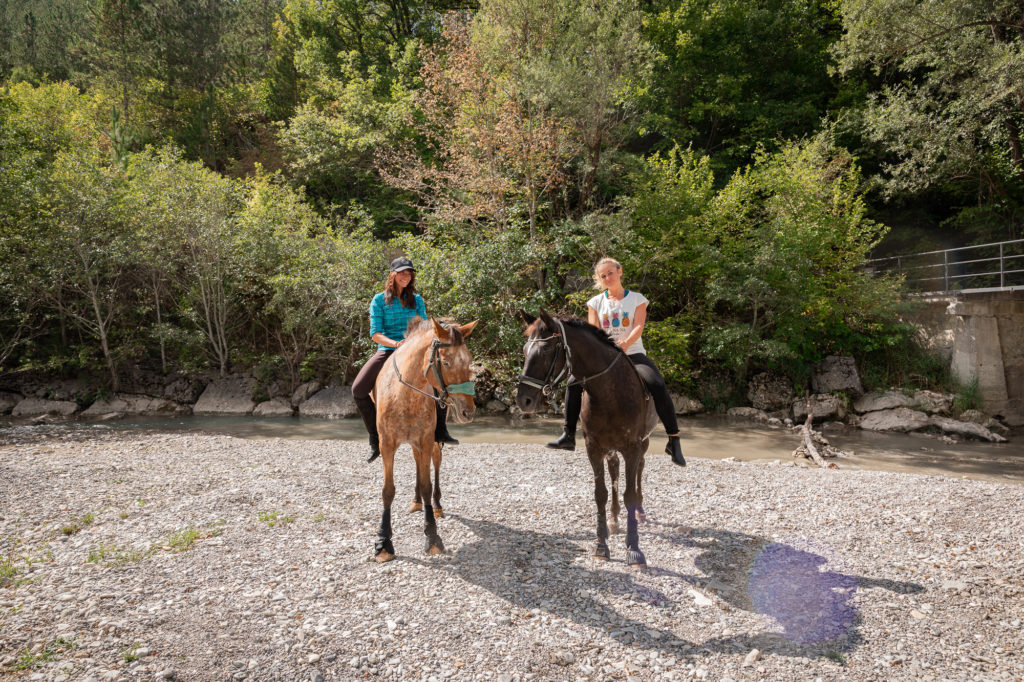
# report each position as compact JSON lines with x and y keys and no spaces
{"x":617,"y":413}
{"x":433,"y":364}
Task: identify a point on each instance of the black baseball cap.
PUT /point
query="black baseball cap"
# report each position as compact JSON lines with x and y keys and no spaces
{"x":402,"y":263}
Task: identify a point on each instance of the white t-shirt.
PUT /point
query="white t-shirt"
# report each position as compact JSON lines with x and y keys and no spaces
{"x":616,"y":317}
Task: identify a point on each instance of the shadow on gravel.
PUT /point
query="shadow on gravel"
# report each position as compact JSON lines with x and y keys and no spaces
{"x":532,"y":570}
{"x":815,"y":606}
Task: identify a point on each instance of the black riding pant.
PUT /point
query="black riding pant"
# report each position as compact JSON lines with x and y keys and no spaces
{"x":651,"y":375}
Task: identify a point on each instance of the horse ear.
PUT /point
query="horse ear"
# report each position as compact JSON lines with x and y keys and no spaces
{"x":439,"y":330}
{"x":547,"y":319}
{"x":467,"y":329}
{"x":527,"y":317}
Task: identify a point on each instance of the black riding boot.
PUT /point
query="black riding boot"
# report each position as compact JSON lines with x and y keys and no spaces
{"x":441,"y":434}
{"x":673,"y":450}
{"x":368,"y":411}
{"x":567,"y":441}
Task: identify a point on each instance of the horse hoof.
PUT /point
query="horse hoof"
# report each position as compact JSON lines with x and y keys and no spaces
{"x":383,"y":556}
{"x":438,"y":513}
{"x":602,"y":553}
{"x":415,"y":507}
{"x":435,"y":546}
{"x":613,"y":527}
{"x":635,"y":558}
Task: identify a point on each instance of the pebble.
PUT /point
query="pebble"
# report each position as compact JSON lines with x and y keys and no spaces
{"x":920,"y":585}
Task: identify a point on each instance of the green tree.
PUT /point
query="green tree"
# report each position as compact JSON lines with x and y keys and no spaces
{"x":950,"y":112}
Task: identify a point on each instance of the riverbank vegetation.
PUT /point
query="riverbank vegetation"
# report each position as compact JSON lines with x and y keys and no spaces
{"x":198,"y":186}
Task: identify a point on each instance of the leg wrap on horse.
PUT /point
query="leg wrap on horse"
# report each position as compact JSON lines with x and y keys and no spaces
{"x":383,"y":543}
{"x":434,"y":544}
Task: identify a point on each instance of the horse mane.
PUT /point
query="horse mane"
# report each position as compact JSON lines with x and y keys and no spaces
{"x":583,"y":326}
{"x":417,"y":326}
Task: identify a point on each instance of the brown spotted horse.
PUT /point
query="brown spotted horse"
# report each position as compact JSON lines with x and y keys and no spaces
{"x":432,"y":366}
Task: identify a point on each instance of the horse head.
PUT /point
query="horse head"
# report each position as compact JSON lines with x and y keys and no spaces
{"x":545,"y":361}
{"x":453,"y":365}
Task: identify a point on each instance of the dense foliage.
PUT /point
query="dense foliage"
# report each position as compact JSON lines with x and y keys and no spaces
{"x":197,"y":185}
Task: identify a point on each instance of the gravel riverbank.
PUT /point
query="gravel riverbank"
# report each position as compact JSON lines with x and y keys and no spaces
{"x":128,"y":556}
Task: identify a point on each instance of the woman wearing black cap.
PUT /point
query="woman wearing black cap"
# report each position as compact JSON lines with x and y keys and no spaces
{"x":390,"y":312}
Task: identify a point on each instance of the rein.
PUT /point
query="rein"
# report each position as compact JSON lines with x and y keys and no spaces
{"x":444,"y":399}
{"x":550,"y":384}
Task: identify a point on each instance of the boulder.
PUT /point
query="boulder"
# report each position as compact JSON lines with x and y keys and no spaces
{"x":334,"y":402}
{"x":227,"y":396}
{"x":495,"y":405}
{"x":8,"y":401}
{"x":882,"y":400}
{"x":748,"y":413}
{"x":976,"y":416}
{"x":64,"y":390}
{"x":934,"y":403}
{"x":184,"y":390}
{"x":898,"y":419}
{"x":966,"y":429}
{"x":303,"y":392}
{"x":126,"y":403}
{"x":823,"y":406}
{"x":275,"y":407}
{"x":34,"y":407}
{"x":768,"y":391}
{"x":686,"y":405}
{"x":837,"y":373}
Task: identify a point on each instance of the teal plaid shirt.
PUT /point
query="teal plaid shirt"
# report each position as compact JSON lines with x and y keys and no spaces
{"x":391,"y":320}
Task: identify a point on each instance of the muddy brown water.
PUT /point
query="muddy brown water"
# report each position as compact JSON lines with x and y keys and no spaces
{"x":707,"y":436}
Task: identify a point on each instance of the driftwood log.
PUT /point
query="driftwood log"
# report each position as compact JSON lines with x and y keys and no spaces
{"x":814,"y":445}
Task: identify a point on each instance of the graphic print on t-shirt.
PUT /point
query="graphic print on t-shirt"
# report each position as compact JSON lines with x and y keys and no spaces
{"x":618,"y":317}
{"x":615,"y":319}
{"x":625,"y":319}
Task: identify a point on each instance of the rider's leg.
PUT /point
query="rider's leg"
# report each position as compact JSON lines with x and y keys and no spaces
{"x":361,"y":388}
{"x":573,"y":403}
{"x":441,"y":434}
{"x":646,"y":368}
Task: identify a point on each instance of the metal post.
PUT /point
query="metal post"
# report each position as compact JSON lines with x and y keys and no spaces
{"x":945,"y":269}
{"x":1002,"y":270}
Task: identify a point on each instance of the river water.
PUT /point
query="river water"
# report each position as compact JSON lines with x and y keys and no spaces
{"x":708,"y":436}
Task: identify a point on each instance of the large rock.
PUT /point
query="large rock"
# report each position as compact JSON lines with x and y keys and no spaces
{"x":882,"y":400}
{"x":275,"y":407}
{"x":34,"y":407}
{"x":227,"y":396}
{"x":748,"y":413}
{"x":823,"y":406}
{"x":966,"y":429}
{"x":125,"y":403}
{"x":686,"y":405}
{"x":768,"y":391}
{"x":304,"y":391}
{"x":8,"y":401}
{"x":898,"y":419}
{"x":184,"y":390}
{"x":334,"y":402}
{"x":934,"y":403}
{"x":837,"y":373}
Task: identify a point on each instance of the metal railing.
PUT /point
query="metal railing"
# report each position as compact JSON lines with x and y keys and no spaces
{"x":998,"y":266}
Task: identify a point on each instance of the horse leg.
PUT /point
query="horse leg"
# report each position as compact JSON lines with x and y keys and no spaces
{"x":423,"y":454}
{"x":641,"y":515}
{"x":634,"y":501}
{"x":384,"y":550}
{"x":601,"y":499}
{"x":438,"y":511}
{"x":417,"y":499}
{"x":613,"y":473}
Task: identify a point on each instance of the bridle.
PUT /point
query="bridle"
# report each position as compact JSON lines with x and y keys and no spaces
{"x":444,"y":398}
{"x":550,"y":382}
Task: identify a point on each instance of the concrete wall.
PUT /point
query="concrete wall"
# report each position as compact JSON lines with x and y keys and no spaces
{"x":983,"y":337}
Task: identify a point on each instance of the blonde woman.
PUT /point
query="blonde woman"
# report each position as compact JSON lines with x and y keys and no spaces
{"x":621,"y":314}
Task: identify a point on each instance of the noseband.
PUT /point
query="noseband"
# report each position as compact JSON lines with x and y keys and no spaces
{"x":443,"y":399}
{"x":551,"y":383}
